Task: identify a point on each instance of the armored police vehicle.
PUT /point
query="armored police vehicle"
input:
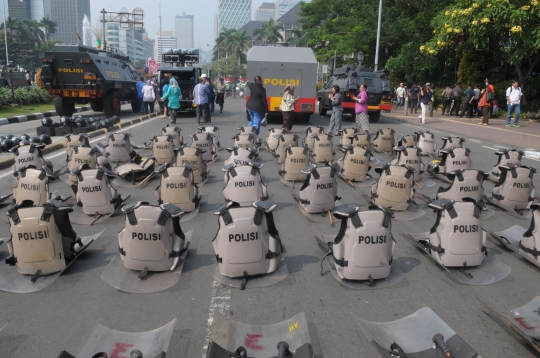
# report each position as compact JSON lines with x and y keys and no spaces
{"x":349,"y":78}
{"x":80,"y":74}
{"x":178,"y":64}
{"x":279,"y":66}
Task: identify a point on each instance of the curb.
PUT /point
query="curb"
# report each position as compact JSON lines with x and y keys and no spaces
{"x":8,"y":162}
{"x":35,"y":116}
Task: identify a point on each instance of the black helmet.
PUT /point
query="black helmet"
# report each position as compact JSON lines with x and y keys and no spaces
{"x":115,"y":119}
{"x":5,"y":145}
{"x":15,"y":141}
{"x":45,"y":139}
{"x":80,"y":122}
{"x":25,"y":137}
{"x":88,"y":121}
{"x":35,"y":140}
{"x":24,"y":142}
{"x":96,"y":119}
{"x":97,"y":125}
{"x":47,"y":122}
{"x":65,"y":121}
{"x":9,"y":136}
{"x":105,"y":123}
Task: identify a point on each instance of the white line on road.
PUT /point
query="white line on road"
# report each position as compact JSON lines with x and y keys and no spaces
{"x":474,"y":140}
{"x":221,"y":301}
{"x":489,"y":147}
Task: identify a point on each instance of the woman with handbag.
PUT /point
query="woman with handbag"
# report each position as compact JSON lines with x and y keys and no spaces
{"x":287,"y":107}
{"x":426,"y":95}
{"x":173,"y":95}
{"x":257,"y":105}
{"x":486,"y":100}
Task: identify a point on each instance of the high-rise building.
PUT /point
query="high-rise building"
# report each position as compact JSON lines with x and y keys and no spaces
{"x":164,"y":41}
{"x":184,"y":30}
{"x":283,"y":6}
{"x":265,"y":12}
{"x":233,"y":14}
{"x":148,"y":45}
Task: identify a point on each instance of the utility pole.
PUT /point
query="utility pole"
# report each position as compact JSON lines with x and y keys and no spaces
{"x":160,"y":49}
{"x":378,"y":37}
{"x":5,"y":32}
{"x":103,"y":12}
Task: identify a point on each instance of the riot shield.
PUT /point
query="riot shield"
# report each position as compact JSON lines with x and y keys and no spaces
{"x":259,"y":341}
{"x":81,"y":218}
{"x":255,"y":281}
{"x":413,"y":212}
{"x":515,"y":213}
{"x":415,"y":335}
{"x":188,"y":216}
{"x":486,"y":213}
{"x":490,"y":271}
{"x":12,"y":281}
{"x":359,"y":184}
{"x":3,"y":199}
{"x":510,"y":238}
{"x":120,"y":277}
{"x":90,"y":338}
{"x":322,"y":217}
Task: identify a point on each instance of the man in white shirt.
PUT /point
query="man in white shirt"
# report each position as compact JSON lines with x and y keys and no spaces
{"x":513,"y":98}
{"x":400,"y":93}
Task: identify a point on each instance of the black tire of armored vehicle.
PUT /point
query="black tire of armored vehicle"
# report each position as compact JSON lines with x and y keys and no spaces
{"x":322,"y":110}
{"x":64,"y":106}
{"x":135,"y":106}
{"x":374,"y":116}
{"x":97,"y":106}
{"x":112,"y":104}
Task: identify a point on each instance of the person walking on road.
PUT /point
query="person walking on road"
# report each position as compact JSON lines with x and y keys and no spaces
{"x":337,"y":110}
{"x":426,"y":95}
{"x":164,"y":103}
{"x":220,"y":95}
{"x":476,"y":100}
{"x":287,"y":107}
{"x":413,"y":95}
{"x":139,"y":86}
{"x":149,"y":97}
{"x":400,"y":94}
{"x":467,"y":103}
{"x":513,"y":99}
{"x":360,"y":109}
{"x":447,"y":100}
{"x":173,"y":95}
{"x":456,"y":94}
{"x":212,"y":97}
{"x":201,"y":94}
{"x":28,"y":78}
{"x":257,"y":104}
{"x":487,"y":97}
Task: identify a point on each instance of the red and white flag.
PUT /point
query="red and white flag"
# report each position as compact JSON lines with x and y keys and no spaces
{"x":152,"y":65}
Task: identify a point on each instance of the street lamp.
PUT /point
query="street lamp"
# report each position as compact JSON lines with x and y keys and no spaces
{"x":360,"y":58}
{"x":10,"y":68}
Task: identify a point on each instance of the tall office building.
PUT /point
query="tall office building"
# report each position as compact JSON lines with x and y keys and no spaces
{"x":15,"y":8}
{"x":233,"y":14}
{"x":265,"y":12}
{"x":283,"y":6}
{"x":148,"y":45}
{"x":184,"y":30}
{"x":164,"y":41}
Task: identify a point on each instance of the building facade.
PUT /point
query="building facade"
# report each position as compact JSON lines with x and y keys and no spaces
{"x":265,"y":12}
{"x":184,"y":31}
{"x":283,"y":6}
{"x":233,"y":14}
{"x":164,"y":41}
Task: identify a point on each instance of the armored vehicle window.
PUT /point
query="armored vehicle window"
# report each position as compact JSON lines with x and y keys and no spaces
{"x":368,"y":81}
{"x":328,"y":84}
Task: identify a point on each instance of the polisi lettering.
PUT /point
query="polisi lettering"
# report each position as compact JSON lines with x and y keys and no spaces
{"x":250,"y":236}
{"x":189,"y":162}
{"x":281,"y":81}
{"x":380,"y":239}
{"x":38,"y":235}
{"x":82,"y":161}
{"x":468,"y":189}
{"x":163,"y":147}
{"x":460,"y":162}
{"x":201,"y":144}
{"x":521,"y":185}
{"x":325,"y":145}
{"x":325,"y":186}
{"x":91,"y":189}
{"x":299,"y":161}
{"x":244,"y":184}
{"x":119,"y":145}
{"x":146,"y":236}
{"x":395,"y":185}
{"x":428,"y":141}
{"x":357,"y":161}
{"x":26,"y":160}
{"x":175,"y":186}
{"x":408,"y":161}
{"x":29,"y":187}
{"x":465,"y":228}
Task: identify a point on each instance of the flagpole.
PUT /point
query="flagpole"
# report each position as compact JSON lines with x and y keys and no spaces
{"x":5,"y":33}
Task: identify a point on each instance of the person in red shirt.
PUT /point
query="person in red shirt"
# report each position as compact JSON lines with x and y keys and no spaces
{"x":485,"y":103}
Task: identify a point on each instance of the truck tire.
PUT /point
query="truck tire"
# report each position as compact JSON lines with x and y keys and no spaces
{"x":112,"y":104}
{"x":302,"y":118}
{"x":64,"y":107}
{"x":97,"y":106}
{"x":135,"y":106}
{"x":322,"y":111}
{"x":374,"y":116}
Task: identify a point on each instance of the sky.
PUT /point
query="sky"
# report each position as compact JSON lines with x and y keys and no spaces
{"x":202,"y":10}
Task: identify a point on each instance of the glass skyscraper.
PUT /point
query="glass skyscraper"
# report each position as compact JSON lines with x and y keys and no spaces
{"x":233,"y":14}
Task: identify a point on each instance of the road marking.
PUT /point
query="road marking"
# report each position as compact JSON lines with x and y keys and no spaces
{"x":489,"y":148}
{"x":221,"y":301}
{"x":92,"y":141}
{"x":474,"y":140}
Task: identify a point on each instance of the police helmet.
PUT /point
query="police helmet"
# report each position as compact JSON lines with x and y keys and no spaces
{"x":115,"y":119}
{"x":105,"y":123}
{"x":5,"y":145}
{"x":15,"y":141}
{"x":35,"y":140}
{"x":25,"y":136}
{"x":10,"y":136}
{"x":47,"y":122}
{"x":80,"y":122}
{"x":24,"y":142}
{"x":65,"y":121}
{"x":45,"y":139}
{"x":97,"y":125}
{"x":434,"y":166}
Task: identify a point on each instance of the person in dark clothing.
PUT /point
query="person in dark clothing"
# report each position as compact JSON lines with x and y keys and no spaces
{"x":456,"y":93}
{"x":447,"y":100}
{"x":468,"y":102}
{"x":257,"y":104}
{"x":413,"y":95}
{"x":138,"y":86}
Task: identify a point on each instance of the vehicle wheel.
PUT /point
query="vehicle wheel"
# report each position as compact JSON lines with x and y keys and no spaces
{"x":135,"y":106}
{"x":374,"y":116}
{"x":302,"y":118}
{"x":97,"y":106}
{"x":64,"y":107}
{"x":322,"y":111}
{"x":112,"y":104}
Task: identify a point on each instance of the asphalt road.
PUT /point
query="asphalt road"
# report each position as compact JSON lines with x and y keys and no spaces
{"x":40,"y":324}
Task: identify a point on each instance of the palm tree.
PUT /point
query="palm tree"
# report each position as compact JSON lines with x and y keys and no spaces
{"x":13,"y":24}
{"x":224,"y":41}
{"x":240,"y":42}
{"x":49,"y":27}
{"x":34,"y":31}
{"x":269,"y":32}
{"x":296,"y":34}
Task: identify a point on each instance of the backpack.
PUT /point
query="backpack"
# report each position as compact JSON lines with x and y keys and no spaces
{"x":490,"y":97}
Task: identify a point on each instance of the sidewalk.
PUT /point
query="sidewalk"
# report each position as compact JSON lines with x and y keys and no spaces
{"x":526,"y":137}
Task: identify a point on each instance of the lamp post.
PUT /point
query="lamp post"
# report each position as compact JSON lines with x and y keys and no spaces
{"x":360,"y":58}
{"x":10,"y":68}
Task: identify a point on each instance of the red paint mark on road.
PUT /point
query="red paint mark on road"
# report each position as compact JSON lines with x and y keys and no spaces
{"x":120,"y":348}
{"x":251,"y":340}
{"x":521,"y":321}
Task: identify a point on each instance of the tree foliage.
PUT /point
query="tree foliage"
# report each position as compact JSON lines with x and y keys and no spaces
{"x":269,"y":32}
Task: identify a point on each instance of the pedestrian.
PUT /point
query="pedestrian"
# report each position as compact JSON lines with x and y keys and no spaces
{"x":164,"y":102}
{"x":513,"y":100}
{"x":360,"y":109}
{"x":337,"y":110}
{"x":28,"y":78}
{"x":220,"y":95}
{"x":446,"y":100}
{"x":488,"y":95}
{"x":467,"y":103}
{"x":212,"y":97}
{"x":257,"y":104}
{"x":173,"y":95}
{"x":201,"y":94}
{"x":287,"y":107}
{"x":456,"y":94}
{"x":139,"y":86}
{"x":149,"y":97}
{"x":400,"y":94}
{"x":426,"y":95}
{"x":413,"y":95}
{"x":476,"y":100}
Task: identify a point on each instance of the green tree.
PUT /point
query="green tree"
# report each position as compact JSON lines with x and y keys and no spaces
{"x":240,"y":43}
{"x":49,"y":27}
{"x":269,"y":32}
{"x":33,"y":30}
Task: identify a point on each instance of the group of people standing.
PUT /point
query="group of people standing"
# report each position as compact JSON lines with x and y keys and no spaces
{"x":419,"y":95}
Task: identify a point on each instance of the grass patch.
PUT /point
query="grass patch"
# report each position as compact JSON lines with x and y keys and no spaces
{"x":22,"y":110}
